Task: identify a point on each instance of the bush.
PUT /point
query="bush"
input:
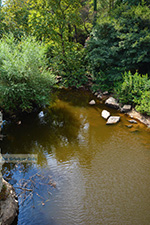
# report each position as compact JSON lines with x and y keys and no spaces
{"x":70,"y":65}
{"x":24,"y":82}
{"x":144,"y":106}
{"x":135,"y":90}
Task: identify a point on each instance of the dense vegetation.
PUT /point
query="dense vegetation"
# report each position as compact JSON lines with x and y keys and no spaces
{"x":25,"y":82}
{"x":107,"y":40}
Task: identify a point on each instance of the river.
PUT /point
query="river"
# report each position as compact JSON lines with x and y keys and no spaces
{"x":100,"y":173}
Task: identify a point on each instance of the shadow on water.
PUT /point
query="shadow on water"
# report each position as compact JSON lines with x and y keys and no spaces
{"x":56,"y":127}
{"x":76,"y":97}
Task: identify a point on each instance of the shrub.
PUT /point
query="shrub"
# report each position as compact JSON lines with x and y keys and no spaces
{"x":144,"y":106}
{"x":135,"y":90}
{"x":24,"y":80}
{"x":70,"y":65}
{"x":130,"y":91}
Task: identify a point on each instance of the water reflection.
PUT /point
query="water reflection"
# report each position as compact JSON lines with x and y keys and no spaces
{"x":101,"y":172}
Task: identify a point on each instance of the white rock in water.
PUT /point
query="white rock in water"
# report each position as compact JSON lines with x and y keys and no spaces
{"x":92,"y":102}
{"x":126,"y":108}
{"x":105,"y":114}
{"x":112,"y":102}
{"x":113,"y":120}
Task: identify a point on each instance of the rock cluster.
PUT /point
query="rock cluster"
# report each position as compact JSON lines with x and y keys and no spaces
{"x":110,"y":119}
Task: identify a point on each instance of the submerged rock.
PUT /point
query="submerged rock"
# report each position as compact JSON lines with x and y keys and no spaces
{"x":129,"y":126}
{"x":105,"y":114}
{"x":113,"y":120}
{"x":92,"y":102}
{"x":143,"y":119}
{"x":133,"y":121}
{"x":126,"y":108}
{"x":112,"y":102}
{"x":8,"y":206}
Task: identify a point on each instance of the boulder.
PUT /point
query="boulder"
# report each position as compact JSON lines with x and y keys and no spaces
{"x":92,"y":102}
{"x":126,"y":108}
{"x":132,"y":121}
{"x":9,"y":206}
{"x":113,"y":120}
{"x":112,"y":102}
{"x":105,"y":114}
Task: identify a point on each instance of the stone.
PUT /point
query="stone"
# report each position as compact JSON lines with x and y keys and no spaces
{"x":92,"y":102}
{"x":112,"y":102}
{"x":133,"y":121}
{"x":99,"y":96}
{"x":140,"y":117}
{"x":126,"y":108}
{"x":113,"y":120}
{"x":9,"y":206}
{"x":129,"y":126}
{"x":105,"y":114}
{"x":105,"y":93}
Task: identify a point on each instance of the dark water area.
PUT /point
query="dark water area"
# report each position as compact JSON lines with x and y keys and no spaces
{"x":101,"y":173}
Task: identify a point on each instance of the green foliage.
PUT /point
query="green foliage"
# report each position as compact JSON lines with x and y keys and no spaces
{"x":135,"y":90}
{"x":16,"y":14}
{"x":24,"y":82}
{"x":144,"y":106}
{"x":133,"y":86}
{"x":54,"y":19}
{"x":102,"y":53}
{"x":120,"y":42}
{"x":70,"y":66}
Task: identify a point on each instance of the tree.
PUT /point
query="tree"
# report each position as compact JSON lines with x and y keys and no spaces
{"x":120,"y":42}
{"x":55,"y":20}
{"x":16,"y":14}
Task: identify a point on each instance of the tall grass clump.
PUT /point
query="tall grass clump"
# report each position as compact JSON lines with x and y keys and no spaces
{"x":25,"y":81}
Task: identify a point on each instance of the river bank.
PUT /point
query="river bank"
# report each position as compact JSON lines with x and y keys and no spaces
{"x":103,"y":97}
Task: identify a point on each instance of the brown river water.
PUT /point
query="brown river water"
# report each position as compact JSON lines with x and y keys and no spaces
{"x":101,"y":172}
